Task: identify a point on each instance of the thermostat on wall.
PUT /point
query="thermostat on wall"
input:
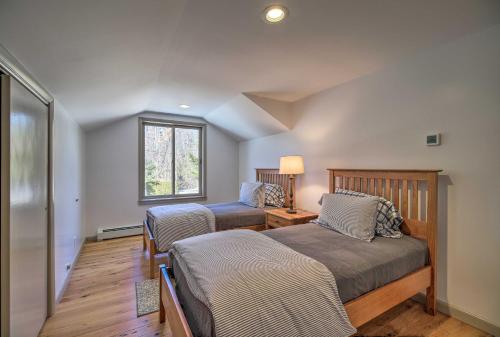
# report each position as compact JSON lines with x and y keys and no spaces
{"x":434,"y":139}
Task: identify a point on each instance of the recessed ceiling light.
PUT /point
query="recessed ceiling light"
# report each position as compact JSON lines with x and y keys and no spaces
{"x":275,"y":13}
{"x":184,"y":106}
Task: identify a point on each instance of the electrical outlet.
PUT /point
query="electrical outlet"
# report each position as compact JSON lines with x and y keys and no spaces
{"x":68,"y":266}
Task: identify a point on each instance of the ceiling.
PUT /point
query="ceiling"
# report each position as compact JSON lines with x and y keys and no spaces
{"x":107,"y":59}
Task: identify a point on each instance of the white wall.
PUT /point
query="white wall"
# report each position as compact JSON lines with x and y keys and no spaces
{"x":380,"y":121}
{"x":68,"y":186}
{"x":112,"y":174}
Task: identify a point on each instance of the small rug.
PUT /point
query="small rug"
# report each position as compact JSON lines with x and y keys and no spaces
{"x":147,"y":296}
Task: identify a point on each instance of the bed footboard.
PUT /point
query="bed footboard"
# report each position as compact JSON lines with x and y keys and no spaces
{"x":368,"y":306}
{"x":170,"y":308}
{"x":150,"y":244}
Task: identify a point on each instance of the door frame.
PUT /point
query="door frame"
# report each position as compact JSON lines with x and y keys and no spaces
{"x":11,"y":69}
{"x":5,"y":205}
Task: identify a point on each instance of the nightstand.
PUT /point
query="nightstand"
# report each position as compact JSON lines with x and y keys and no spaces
{"x":278,"y":217}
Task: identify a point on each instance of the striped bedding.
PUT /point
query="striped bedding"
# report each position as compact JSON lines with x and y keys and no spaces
{"x":285,"y":293}
{"x":176,"y":222}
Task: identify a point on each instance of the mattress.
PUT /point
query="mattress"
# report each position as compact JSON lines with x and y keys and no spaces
{"x":229,"y":215}
{"x":358,"y":266}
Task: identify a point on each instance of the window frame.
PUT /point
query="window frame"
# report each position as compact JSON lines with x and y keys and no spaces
{"x":202,"y":195}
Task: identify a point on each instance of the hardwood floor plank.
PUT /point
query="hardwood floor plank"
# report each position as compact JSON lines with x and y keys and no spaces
{"x":100,"y":302}
{"x":100,"y":297}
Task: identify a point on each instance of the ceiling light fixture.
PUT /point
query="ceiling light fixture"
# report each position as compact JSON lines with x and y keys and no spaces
{"x":275,"y":13}
{"x":184,"y":106}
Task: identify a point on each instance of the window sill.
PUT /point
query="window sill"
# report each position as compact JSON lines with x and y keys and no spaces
{"x":172,"y":200}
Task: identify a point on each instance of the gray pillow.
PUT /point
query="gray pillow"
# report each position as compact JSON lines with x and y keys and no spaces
{"x":388,"y":218}
{"x":349,"y":215}
{"x":252,"y":194}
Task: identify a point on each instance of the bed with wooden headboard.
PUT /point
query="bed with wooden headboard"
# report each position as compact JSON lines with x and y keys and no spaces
{"x":269,"y":176}
{"x":272,"y":176}
{"x":414,"y":192}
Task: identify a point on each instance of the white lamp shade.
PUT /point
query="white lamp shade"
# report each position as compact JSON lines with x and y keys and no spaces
{"x":291,"y":165}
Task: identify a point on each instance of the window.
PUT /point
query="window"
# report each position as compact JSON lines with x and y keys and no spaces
{"x":171,"y":161}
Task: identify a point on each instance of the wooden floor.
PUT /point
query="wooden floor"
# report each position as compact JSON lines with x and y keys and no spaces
{"x":100,"y":301}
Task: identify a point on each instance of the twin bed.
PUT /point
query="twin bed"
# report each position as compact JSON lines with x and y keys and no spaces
{"x":229,"y":215}
{"x":371,"y":277}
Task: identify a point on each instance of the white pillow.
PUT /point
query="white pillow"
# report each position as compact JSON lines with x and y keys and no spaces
{"x":352,"y":216}
{"x":252,"y":194}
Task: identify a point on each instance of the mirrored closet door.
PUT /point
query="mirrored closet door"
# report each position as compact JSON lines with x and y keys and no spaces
{"x":28,"y":155}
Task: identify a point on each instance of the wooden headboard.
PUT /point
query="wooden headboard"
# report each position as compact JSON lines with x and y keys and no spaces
{"x":413,"y":192}
{"x":272,"y":176}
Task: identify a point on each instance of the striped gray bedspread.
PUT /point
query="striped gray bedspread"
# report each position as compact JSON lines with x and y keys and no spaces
{"x":256,"y":286}
{"x":176,"y":222}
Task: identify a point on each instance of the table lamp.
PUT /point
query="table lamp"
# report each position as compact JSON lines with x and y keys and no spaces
{"x":291,"y":165}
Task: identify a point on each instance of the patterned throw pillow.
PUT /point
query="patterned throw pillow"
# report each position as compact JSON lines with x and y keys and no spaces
{"x":388,"y":217}
{"x":354,"y":217}
{"x":252,"y":194}
{"x":275,"y":195}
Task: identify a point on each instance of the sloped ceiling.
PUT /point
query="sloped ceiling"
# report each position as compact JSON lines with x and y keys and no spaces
{"x":105,"y":60}
{"x":244,"y":118}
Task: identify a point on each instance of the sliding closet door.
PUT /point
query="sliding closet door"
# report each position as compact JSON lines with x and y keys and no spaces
{"x":29,"y":120}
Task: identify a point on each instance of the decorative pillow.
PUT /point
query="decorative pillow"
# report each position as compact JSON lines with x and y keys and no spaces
{"x":275,"y":195}
{"x":354,"y":217}
{"x":388,"y":217}
{"x":252,"y":194}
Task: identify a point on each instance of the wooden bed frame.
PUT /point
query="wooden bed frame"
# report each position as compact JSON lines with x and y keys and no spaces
{"x":270,"y":176}
{"x":414,"y":192}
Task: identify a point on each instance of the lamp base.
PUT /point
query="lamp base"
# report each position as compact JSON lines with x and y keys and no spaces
{"x":291,"y":211}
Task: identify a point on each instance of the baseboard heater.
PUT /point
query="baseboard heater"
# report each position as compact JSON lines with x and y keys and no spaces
{"x":105,"y":233}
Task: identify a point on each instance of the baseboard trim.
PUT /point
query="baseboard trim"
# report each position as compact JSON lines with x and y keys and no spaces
{"x":68,"y":276}
{"x":463,"y":316}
